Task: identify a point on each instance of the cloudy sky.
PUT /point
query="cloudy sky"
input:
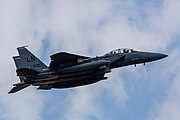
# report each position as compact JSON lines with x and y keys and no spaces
{"x":93,"y":27}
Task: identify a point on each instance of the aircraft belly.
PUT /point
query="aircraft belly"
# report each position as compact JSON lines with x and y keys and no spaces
{"x":73,"y":81}
{"x":80,"y":82}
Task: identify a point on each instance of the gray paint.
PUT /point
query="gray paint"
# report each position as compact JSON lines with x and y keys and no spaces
{"x":71,"y":70}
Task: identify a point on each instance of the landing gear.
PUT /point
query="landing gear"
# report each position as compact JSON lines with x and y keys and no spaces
{"x":143,"y":64}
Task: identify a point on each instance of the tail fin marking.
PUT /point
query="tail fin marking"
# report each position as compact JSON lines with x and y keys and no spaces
{"x":27,"y":60}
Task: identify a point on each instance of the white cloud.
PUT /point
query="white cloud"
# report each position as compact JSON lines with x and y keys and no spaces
{"x":167,"y":25}
{"x":82,"y":104}
{"x":86,"y":102}
{"x":26,"y":105}
{"x":170,"y":108}
{"x":15,"y":22}
{"x":80,"y":27}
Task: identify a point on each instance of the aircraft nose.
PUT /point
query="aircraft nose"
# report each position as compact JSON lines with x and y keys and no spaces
{"x":158,"y":56}
{"x":163,"y":56}
{"x":155,"y":56}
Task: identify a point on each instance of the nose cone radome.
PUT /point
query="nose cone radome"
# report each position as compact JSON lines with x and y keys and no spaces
{"x":155,"y":56}
{"x":163,"y":55}
{"x":158,"y":56}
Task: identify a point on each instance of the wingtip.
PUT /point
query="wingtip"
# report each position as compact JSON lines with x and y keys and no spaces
{"x":22,"y":47}
{"x":11,"y":91}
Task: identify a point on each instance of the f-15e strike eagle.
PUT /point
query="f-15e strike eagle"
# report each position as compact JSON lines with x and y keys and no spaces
{"x":70,"y":70}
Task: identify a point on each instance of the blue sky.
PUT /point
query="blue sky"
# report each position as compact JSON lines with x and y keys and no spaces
{"x":93,"y":28}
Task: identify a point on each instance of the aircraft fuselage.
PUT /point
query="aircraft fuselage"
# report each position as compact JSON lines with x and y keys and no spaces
{"x":70,"y":70}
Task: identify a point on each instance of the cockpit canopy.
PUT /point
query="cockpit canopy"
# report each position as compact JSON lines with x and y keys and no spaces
{"x":123,"y":50}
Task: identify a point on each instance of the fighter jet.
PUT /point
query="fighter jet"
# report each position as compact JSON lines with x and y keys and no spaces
{"x":70,"y":70}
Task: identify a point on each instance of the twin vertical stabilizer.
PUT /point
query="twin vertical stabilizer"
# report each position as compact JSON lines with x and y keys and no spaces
{"x":27,"y":64}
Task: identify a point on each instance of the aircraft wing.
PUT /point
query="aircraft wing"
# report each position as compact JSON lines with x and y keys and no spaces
{"x":18,"y":87}
{"x":64,"y":58}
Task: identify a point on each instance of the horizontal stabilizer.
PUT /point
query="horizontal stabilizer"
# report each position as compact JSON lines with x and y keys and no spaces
{"x":25,"y":71}
{"x":18,"y":87}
